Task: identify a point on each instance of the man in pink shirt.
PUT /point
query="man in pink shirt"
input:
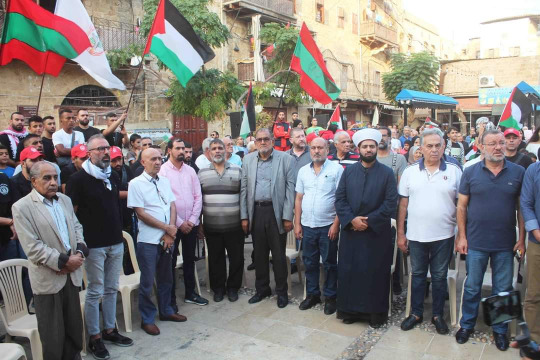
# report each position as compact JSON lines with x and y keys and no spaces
{"x":187,"y":190}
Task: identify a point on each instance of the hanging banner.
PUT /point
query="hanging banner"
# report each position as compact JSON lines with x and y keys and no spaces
{"x":497,"y":96}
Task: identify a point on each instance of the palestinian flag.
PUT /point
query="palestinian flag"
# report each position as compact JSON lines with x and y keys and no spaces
{"x":308,"y":62}
{"x":516,"y":110}
{"x":336,"y":118}
{"x":173,"y":41}
{"x":39,"y":38}
{"x":248,"y":118}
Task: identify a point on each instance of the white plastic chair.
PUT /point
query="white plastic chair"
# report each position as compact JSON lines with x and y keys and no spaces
{"x":12,"y":352}
{"x":128,"y":283}
{"x":392,"y":268}
{"x":15,"y":316}
{"x":82,"y":299}
{"x":452,"y":290}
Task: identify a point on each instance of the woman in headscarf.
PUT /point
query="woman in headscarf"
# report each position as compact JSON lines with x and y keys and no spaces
{"x":414,"y":155}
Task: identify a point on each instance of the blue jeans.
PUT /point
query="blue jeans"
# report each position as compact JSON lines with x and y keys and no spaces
{"x":103,"y":268}
{"x":435,"y":255}
{"x":317,"y":245}
{"x":12,"y":249}
{"x":154,"y":263}
{"x":502,"y":272}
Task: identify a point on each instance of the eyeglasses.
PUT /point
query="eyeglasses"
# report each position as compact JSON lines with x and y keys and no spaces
{"x":101,"y":148}
{"x":501,"y":143}
{"x":260,"y":140}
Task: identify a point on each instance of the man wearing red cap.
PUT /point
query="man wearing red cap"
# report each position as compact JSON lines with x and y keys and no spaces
{"x":79,"y":154}
{"x":513,"y":140}
{"x":21,"y":182}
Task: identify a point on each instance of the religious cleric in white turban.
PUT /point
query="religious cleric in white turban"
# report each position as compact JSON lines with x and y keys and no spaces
{"x":366,"y":198}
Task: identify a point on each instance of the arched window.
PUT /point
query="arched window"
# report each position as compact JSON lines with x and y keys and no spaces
{"x":91,"y":96}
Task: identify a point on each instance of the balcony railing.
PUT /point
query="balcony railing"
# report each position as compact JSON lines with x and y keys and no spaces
{"x":278,"y":7}
{"x":378,"y":33}
{"x":117,"y":35}
{"x":246,"y":71}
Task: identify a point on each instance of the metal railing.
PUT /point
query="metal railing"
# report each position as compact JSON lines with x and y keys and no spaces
{"x":116,"y":34}
{"x":379,"y":31}
{"x":284,"y":7}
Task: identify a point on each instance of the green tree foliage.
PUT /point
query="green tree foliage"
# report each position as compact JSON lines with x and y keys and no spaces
{"x":210,"y":92}
{"x":415,"y":72}
{"x":122,"y":57}
{"x":285,"y":41}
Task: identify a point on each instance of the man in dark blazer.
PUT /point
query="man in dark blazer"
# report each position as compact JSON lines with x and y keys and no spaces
{"x":266,"y":209}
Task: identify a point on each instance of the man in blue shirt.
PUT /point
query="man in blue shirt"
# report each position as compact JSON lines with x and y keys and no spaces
{"x":406,"y":135}
{"x":316,"y":222}
{"x":530,"y":206}
{"x":492,"y":184}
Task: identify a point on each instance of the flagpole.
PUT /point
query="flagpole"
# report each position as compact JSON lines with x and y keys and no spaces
{"x":134,"y":85}
{"x":282,"y":93}
{"x":42,"y":81}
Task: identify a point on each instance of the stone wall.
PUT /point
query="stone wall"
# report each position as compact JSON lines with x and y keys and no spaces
{"x":126,"y":11}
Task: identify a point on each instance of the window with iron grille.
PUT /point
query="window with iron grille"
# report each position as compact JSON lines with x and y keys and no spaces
{"x":92,"y":96}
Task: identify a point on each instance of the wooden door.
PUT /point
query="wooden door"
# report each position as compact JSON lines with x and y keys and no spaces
{"x":191,"y":129}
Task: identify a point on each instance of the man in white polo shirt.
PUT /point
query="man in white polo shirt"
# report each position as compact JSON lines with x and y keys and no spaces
{"x":428,"y":193}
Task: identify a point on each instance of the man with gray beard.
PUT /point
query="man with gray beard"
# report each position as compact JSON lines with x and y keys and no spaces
{"x":94,"y":192}
{"x":220,"y":183}
{"x":317,"y":224}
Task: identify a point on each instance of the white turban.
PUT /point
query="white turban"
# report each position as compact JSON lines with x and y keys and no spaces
{"x":367,"y":134}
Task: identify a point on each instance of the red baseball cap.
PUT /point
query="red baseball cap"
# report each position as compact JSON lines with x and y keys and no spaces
{"x":115,"y":152}
{"x":310,"y":137}
{"x":80,"y":151}
{"x":30,"y":153}
{"x":512,"y":131}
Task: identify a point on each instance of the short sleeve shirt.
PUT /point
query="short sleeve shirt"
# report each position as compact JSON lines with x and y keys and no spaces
{"x":400,"y":163}
{"x":63,"y":138}
{"x":155,"y":198}
{"x":491,"y":212}
{"x":431,"y":213}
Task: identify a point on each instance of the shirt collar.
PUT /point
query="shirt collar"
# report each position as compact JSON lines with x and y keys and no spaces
{"x":485,"y":167}
{"x":227,"y":165}
{"x":292,"y":153}
{"x":323,"y":166}
{"x":44,"y":200}
{"x":442,"y":165}
{"x":148,"y":177}
{"x":270,"y":157}
{"x":170,"y":165}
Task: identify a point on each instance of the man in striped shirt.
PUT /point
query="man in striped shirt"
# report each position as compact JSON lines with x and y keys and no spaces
{"x":220,"y":184}
{"x":343,"y":154}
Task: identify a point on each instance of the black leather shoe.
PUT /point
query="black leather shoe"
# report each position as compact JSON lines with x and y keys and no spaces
{"x":282,"y":301}
{"x":329,"y":306}
{"x":501,"y":341}
{"x":251,"y":266}
{"x":410,"y":322}
{"x":232,"y":294}
{"x":218,"y":296}
{"x":462,"y":336}
{"x":259,"y":297}
{"x":440,"y":325}
{"x":309,"y":302}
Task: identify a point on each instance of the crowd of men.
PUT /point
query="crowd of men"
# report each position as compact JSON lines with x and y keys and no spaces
{"x":66,"y":197}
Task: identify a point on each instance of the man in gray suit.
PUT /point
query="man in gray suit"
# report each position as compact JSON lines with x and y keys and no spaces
{"x":52,"y":238}
{"x":266,"y":209}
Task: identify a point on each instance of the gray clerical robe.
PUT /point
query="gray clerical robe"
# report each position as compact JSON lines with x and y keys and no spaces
{"x":365,"y":256}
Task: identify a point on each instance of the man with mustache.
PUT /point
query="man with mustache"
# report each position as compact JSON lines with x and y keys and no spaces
{"x":491,"y":184}
{"x":221,"y":195}
{"x":83,"y":125}
{"x":94,"y":192}
{"x":317,"y":225}
{"x":366,"y":199}
{"x":11,"y":137}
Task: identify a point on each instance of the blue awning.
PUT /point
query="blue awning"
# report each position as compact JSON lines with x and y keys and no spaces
{"x":531,"y":93}
{"x":419,"y":99}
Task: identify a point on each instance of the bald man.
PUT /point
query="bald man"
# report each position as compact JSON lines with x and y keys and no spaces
{"x":152,"y":199}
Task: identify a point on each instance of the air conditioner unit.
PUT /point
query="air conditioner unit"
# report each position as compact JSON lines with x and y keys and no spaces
{"x":486,"y":81}
{"x":368,"y":111}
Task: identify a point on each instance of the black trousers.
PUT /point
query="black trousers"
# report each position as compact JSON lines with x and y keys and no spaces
{"x":266,"y":239}
{"x":233,"y":242}
{"x":189,"y":243}
{"x":59,"y":321}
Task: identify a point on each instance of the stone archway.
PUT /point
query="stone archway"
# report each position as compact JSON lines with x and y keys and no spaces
{"x":97,"y":100}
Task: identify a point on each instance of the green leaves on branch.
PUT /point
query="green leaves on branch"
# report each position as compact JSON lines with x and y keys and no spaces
{"x":122,"y":57}
{"x":284,"y":40}
{"x":415,"y":72}
{"x":208,"y":94}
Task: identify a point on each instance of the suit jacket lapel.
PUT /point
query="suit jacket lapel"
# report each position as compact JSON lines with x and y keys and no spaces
{"x":275,"y":169}
{"x":253,"y":175}
{"x":43,"y":211}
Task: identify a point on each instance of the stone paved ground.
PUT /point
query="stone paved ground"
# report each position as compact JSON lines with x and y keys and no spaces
{"x":242,"y":331}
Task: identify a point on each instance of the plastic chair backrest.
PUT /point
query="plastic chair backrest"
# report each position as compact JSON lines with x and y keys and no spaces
{"x":132,"y":252}
{"x":12,"y":289}
{"x":291,"y":240}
